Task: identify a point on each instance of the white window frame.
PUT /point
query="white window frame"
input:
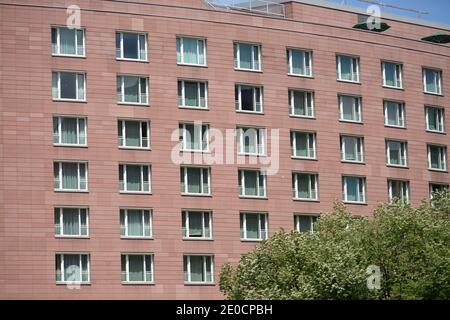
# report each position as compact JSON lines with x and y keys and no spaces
{"x":184,"y":186}
{"x":181,"y":53}
{"x":404,"y":155}
{"x":358,"y":151}
{"x":125,"y":225}
{"x":259,"y":175}
{"x":122,"y":122}
{"x":138,"y":46}
{"x":263,"y":233}
{"x":237,"y":59}
{"x":312,"y":221}
{"x":188,"y":265}
{"x":398,"y":74}
{"x":306,"y":61}
{"x":442,"y":185}
{"x":182,"y":99}
{"x":61,"y":267}
{"x":360,"y":185}
{"x":59,"y":163}
{"x":442,"y":155}
{"x":355,"y":76}
{"x":58,"y":85}
{"x":357,"y":106}
{"x":59,"y":118}
{"x":59,"y":225}
{"x":204,"y":137}
{"x":260,"y":137}
{"x":144,"y":265}
{"x":313,"y":190}
{"x":440,"y":119}
{"x":124,"y":177}
{"x":312,"y":153}
{"x":186,"y":214}
{"x":438,"y":82}
{"x":404,"y":190}
{"x":308,"y":95}
{"x":141,"y":96}
{"x":400,"y":114}
{"x":255,"y":88}
{"x":56,"y":48}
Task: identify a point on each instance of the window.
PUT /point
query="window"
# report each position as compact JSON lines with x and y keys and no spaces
{"x":305,"y":186}
{"x":192,"y":94}
{"x":398,"y":190}
{"x":68,"y":42}
{"x":195,"y":181}
{"x":135,"y":178}
{"x":69,"y":130}
{"x":437,"y":157}
{"x":303,"y":145}
{"x":301,"y":103}
{"x":252,"y":183}
{"x":68,"y":85}
{"x":71,"y":222}
{"x":394,"y":114}
{"x":70,"y":176}
{"x":198,"y":269}
{"x":396,"y":153}
{"x":247,"y":56}
{"x":135,"y":223}
{"x":354,"y":189}
{"x":299,"y":62}
{"x":131,"y":46}
{"x":196,"y":224}
{"x":254,"y":226}
{"x":305,"y":223}
{"x":392,"y":74}
{"x":432,"y":81}
{"x":350,"y":108}
{"x":352,"y":149}
{"x":191,"y":51}
{"x":137,"y":268}
{"x":251,"y":141}
{"x":132,"y":89}
{"x":194,"y":137}
{"x":435,"y":119}
{"x":72,"y":268}
{"x":438,"y":187}
{"x":248,"y":98}
{"x":133,"y":134}
{"x":347,"y":68}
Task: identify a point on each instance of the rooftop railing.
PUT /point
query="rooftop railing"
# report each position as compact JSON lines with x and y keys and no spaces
{"x":252,"y":6}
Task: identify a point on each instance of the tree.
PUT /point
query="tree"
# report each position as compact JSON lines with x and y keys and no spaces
{"x":410,"y":246}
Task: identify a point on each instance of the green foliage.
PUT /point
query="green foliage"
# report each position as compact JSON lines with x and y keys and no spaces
{"x":411,"y":246}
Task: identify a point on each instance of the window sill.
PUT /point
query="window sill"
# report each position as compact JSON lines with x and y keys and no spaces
{"x":136,"y":192}
{"x":137,"y":283}
{"x":438,"y":170}
{"x":252,"y":240}
{"x":306,"y":200}
{"x":132,"y":60}
{"x":253,"y":197}
{"x":210,"y":284}
{"x":351,"y":121}
{"x":300,"y":76}
{"x":71,"y":191}
{"x":302,"y":158}
{"x":251,"y":155}
{"x":196,"y":151}
{"x":69,"y":100}
{"x":135,"y":238}
{"x":248,"y":70}
{"x":349,"y":81}
{"x":68,"y":56}
{"x":197,"y":239}
{"x":395,"y":88}
{"x":182,"y":64}
{"x":250,"y":112}
{"x":434,"y":94}
{"x":135,"y":148}
{"x":355,"y":203}
{"x":133,"y":104}
{"x":71,"y":237}
{"x":196,"y":195}
{"x":302,"y":117}
{"x":436,"y":132}
{"x":72,"y":283}
{"x":353,"y":162}
{"x":395,"y":127}
{"x":396,"y":166}
{"x":193,"y":108}
{"x":70,"y":145}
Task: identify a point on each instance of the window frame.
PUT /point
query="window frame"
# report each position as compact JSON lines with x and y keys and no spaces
{"x":440,"y":122}
{"x":401,"y":114}
{"x":443,"y":155}
{"x":260,"y":137}
{"x":290,"y":54}
{"x":359,"y":151}
{"x":398,"y":74}
{"x":183,"y":105}
{"x":361,"y":184}
{"x":310,"y":151}
{"x":60,"y":169}
{"x":204,"y":262}
{"x":205,"y":137}
{"x":124,"y":177}
{"x":403,"y":150}
{"x":185,"y":213}
{"x":181,"y":53}
{"x":441,"y":184}
{"x":339,"y":56}
{"x":259,"y":176}
{"x":57,"y":45}
{"x":121,"y":122}
{"x":121,"y":78}
{"x":59,"y":212}
{"x":138,"y":33}
{"x":358,"y":105}
{"x":185,"y":182}
{"x":125,"y":211}
{"x":312,"y":190}
{"x":59,"y":118}
{"x":255,"y":89}
{"x":404,"y":190}
{"x":438,"y":83}
{"x":237,"y":59}
{"x":312,"y":220}
{"x":144,"y":265}
{"x":311,"y":108}
{"x":61,"y":267}
{"x":58,"y":85}
{"x":263,"y":233}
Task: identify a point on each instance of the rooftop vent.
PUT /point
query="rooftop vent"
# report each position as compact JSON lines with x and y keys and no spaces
{"x":439,"y":37}
{"x":251,"y":6}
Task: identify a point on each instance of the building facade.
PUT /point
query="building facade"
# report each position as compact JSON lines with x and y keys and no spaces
{"x":96,"y":201}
